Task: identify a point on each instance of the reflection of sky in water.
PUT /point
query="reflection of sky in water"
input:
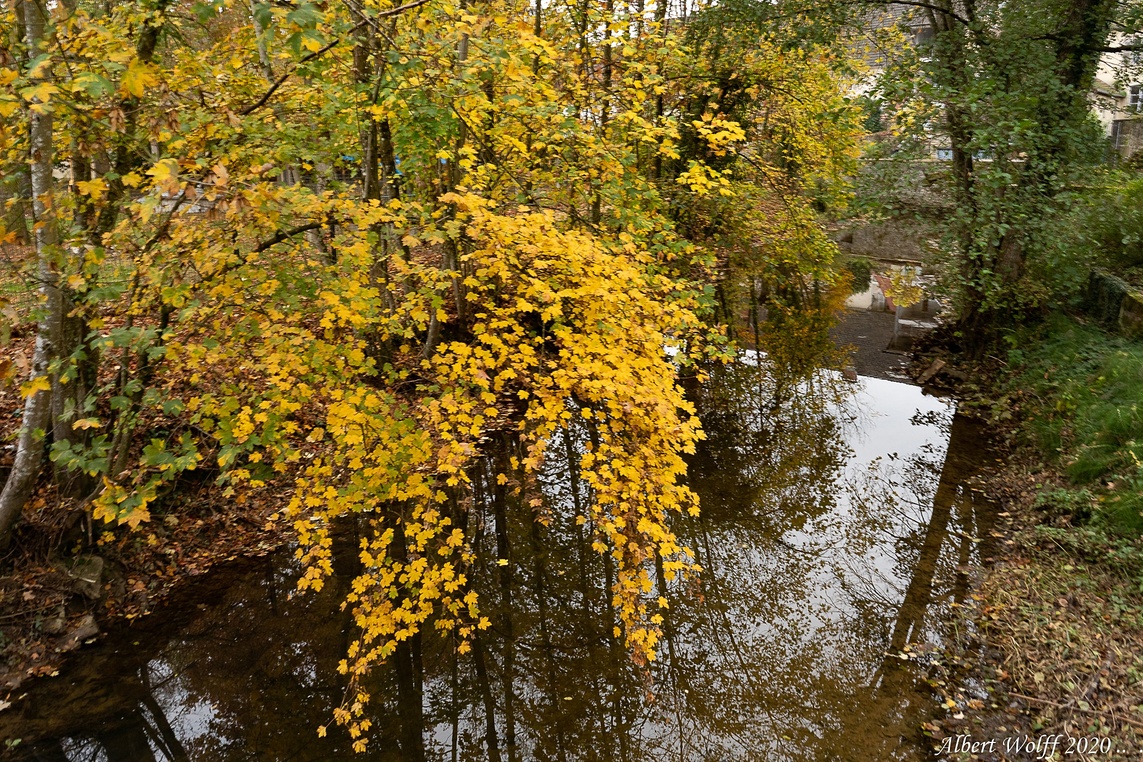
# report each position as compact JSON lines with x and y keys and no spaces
{"x":886,"y":413}
{"x":821,"y":550}
{"x":897,"y":437}
{"x":801,"y":616}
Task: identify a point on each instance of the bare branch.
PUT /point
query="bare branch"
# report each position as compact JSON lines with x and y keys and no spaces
{"x":915,"y":4}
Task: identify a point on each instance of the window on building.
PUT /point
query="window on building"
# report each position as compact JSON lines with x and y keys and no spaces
{"x":1135,"y":98}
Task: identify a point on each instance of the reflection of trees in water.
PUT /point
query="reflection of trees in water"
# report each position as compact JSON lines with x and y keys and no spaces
{"x":767,"y":659}
{"x":767,"y":472}
{"x":249,"y":678}
{"x":906,"y":509}
{"x":737,"y":659}
{"x":126,"y":737}
{"x":926,"y":521}
{"x":771,"y":444}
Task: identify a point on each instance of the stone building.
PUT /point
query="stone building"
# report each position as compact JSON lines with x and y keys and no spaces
{"x":1117,"y":98}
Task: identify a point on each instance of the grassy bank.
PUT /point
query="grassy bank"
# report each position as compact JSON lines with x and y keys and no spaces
{"x":1078,"y":393}
{"x":1060,"y":615}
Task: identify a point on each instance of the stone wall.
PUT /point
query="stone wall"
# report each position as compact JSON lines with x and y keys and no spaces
{"x":1114,"y":304}
{"x":894,"y":241}
{"x":1131,"y":315}
{"x":1127,"y":136}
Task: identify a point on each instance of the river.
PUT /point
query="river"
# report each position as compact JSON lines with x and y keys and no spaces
{"x":836,"y":528}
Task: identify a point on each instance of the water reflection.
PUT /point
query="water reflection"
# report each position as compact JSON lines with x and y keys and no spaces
{"x":834,"y":523}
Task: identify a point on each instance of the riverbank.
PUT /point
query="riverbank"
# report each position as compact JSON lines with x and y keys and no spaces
{"x":59,"y":592}
{"x":1052,"y":642}
{"x":65,"y":579}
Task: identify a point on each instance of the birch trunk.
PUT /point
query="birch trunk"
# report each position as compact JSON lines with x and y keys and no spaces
{"x":37,"y":407}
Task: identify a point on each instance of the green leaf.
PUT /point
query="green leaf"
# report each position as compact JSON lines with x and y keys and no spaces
{"x":263,"y":15}
{"x":94,"y":84}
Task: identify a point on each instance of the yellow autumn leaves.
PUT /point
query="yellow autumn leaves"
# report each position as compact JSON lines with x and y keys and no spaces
{"x":341,"y":279}
{"x":564,"y":329}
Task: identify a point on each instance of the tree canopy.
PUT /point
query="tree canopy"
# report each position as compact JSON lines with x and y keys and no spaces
{"x":341,"y":248}
{"x":1008,"y":90}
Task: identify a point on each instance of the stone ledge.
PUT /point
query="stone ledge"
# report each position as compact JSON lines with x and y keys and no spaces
{"x":1131,"y":315}
{"x":1114,"y":304}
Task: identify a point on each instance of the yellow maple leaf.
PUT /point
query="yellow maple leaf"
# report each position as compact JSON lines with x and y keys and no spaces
{"x":164,"y":170}
{"x":93,"y":188}
{"x":41,"y":93}
{"x":37,"y":384}
{"x":138,"y":77}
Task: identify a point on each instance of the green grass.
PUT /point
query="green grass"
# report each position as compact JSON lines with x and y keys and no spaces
{"x":1081,"y":394}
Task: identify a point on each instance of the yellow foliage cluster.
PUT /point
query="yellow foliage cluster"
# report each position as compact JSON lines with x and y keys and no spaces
{"x":351,"y":245}
{"x":905,"y":286}
{"x":566,"y":329}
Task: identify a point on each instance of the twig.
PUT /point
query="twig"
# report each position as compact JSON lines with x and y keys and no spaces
{"x":284,"y":234}
{"x":1094,"y":679}
{"x":1133,"y":723}
{"x":321,"y":51}
{"x":26,"y":612}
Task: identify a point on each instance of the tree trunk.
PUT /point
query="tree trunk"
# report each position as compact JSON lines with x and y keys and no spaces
{"x":80,"y":362}
{"x":14,"y":192}
{"x":37,"y":407}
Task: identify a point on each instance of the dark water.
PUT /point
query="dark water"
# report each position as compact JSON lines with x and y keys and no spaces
{"x":834,"y":519}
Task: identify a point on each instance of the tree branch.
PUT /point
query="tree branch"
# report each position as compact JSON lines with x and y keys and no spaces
{"x":915,"y":4}
{"x":311,"y":56}
{"x":283,"y":235}
{"x":278,"y":82}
